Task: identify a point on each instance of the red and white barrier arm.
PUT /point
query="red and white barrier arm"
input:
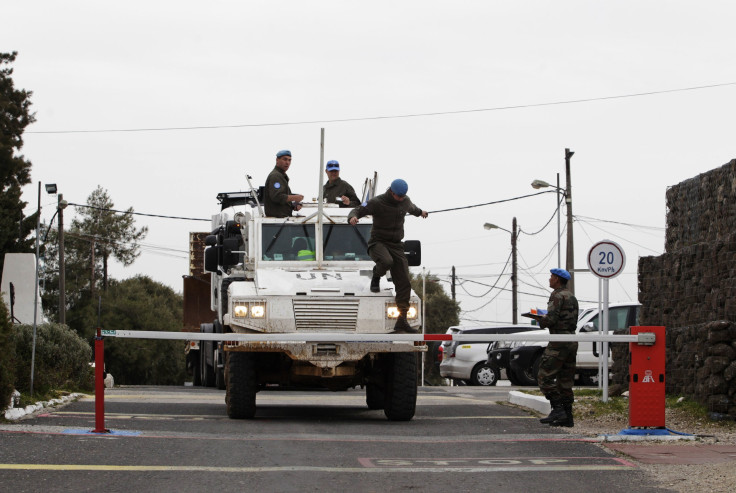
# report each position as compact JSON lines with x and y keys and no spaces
{"x":644,"y":338}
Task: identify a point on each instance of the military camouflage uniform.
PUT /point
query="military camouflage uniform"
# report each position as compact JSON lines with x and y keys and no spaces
{"x":385,"y":246}
{"x":336,"y":189}
{"x":557,"y":367}
{"x":276,"y":200}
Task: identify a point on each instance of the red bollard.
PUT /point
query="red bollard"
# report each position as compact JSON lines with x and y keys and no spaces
{"x":646,"y":380}
{"x":99,"y":384}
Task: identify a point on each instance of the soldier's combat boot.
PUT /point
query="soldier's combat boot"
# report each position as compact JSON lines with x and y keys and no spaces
{"x":554,"y":403}
{"x":375,"y":284}
{"x":557,"y":415}
{"x":565,"y":420}
{"x":402,"y":325}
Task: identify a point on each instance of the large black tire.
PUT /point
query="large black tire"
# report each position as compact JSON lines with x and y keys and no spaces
{"x":512,"y":377}
{"x":196,"y":371}
{"x":485,"y":375}
{"x":219,"y":357}
{"x":374,"y":396}
{"x":401,"y":387}
{"x":220,"y":382}
{"x":208,"y":373}
{"x":240,"y":394}
{"x":529,"y":375}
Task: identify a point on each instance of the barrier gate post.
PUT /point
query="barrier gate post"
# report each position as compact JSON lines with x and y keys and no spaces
{"x":99,"y":384}
{"x":646,"y":380}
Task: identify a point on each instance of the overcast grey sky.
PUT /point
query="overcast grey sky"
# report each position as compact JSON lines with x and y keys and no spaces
{"x":484,"y":70}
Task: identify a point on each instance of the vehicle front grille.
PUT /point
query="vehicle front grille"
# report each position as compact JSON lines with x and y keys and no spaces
{"x":325,"y":314}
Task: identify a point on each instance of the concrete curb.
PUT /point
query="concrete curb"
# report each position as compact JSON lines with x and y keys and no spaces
{"x":536,"y":402}
{"x":14,"y":413}
{"x":541,"y":404}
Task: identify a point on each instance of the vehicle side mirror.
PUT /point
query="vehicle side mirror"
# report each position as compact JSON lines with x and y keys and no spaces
{"x":210,"y":259}
{"x":228,"y":257}
{"x":589,"y":327}
{"x":413,"y":252}
{"x":210,"y":240}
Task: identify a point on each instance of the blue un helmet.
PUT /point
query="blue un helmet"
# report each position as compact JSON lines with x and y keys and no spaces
{"x":399,"y":187}
{"x":561,"y":273}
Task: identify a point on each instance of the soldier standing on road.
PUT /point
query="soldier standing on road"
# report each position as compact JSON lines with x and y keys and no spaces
{"x":385,"y":246}
{"x":278,"y":200}
{"x":337,"y":189}
{"x":557,"y":367}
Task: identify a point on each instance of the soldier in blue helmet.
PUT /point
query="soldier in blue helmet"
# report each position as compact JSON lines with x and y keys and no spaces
{"x":336,"y":189}
{"x":385,"y":246}
{"x":557,"y":367}
{"x":278,"y":199}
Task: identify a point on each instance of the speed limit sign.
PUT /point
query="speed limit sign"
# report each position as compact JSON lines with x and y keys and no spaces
{"x":606,"y":259}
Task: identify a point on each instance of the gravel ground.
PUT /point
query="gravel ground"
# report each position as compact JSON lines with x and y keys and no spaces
{"x":685,"y":478}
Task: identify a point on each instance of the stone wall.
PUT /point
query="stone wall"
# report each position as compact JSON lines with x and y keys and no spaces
{"x":701,"y":363}
{"x":701,"y":209}
{"x":691,"y":290}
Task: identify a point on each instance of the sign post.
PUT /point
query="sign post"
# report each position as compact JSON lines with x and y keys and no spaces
{"x":606,"y":260}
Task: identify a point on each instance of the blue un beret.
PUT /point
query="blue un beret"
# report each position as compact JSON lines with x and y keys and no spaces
{"x":561,"y":273}
{"x":283,"y":153}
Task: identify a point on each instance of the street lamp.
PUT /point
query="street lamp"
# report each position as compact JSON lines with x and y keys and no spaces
{"x":567,"y":193}
{"x":514,"y":283}
{"x":61,"y":205}
{"x":537,"y":184}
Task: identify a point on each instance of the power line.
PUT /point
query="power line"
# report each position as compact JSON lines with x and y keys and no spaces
{"x":622,"y":224}
{"x":388,"y":117}
{"x":488,"y":203}
{"x":543,"y":227}
{"x":137,"y":213}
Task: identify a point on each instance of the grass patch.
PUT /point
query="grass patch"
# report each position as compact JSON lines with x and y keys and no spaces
{"x":687,"y":406}
{"x":27,"y":400}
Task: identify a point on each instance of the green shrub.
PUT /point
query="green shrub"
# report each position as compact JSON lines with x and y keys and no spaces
{"x":62,"y":359}
{"x":7,"y":374}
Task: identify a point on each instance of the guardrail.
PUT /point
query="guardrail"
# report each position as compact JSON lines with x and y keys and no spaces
{"x":647,"y":365}
{"x":644,"y":338}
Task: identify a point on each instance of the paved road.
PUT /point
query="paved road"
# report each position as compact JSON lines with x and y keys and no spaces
{"x":180,"y":439}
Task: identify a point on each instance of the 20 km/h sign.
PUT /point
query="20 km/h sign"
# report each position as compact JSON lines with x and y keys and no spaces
{"x":606,"y":259}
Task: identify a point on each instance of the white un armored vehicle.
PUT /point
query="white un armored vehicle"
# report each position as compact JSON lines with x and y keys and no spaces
{"x":304,"y":274}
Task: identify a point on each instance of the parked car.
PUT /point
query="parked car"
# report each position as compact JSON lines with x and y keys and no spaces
{"x":524,"y":356}
{"x":498,"y":356}
{"x":466,"y":362}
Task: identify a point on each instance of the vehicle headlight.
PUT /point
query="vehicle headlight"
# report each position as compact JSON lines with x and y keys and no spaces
{"x":249,"y":309}
{"x":240,"y":311}
{"x":258,"y":311}
{"x":393,"y":312}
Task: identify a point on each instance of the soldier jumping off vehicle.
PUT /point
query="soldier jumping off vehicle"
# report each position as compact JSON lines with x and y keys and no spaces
{"x":385,"y":246}
{"x":557,"y":367}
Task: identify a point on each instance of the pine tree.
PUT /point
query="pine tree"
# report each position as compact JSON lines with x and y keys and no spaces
{"x":15,"y":170}
{"x":106,"y":234}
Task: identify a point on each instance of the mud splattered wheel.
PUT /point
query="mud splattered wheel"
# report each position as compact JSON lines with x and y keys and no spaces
{"x":401,"y":387}
{"x":240,"y":393}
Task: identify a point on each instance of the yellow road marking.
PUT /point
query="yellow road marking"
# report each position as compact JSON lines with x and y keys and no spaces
{"x":223,"y":416}
{"x":266,"y":398}
{"x":119,"y":468}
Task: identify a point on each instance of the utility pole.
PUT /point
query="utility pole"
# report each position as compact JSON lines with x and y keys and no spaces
{"x":514,"y":280}
{"x":62,"y":269}
{"x":570,"y":262}
{"x":92,"y":277}
{"x":35,"y":287}
{"x":452,"y":286}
